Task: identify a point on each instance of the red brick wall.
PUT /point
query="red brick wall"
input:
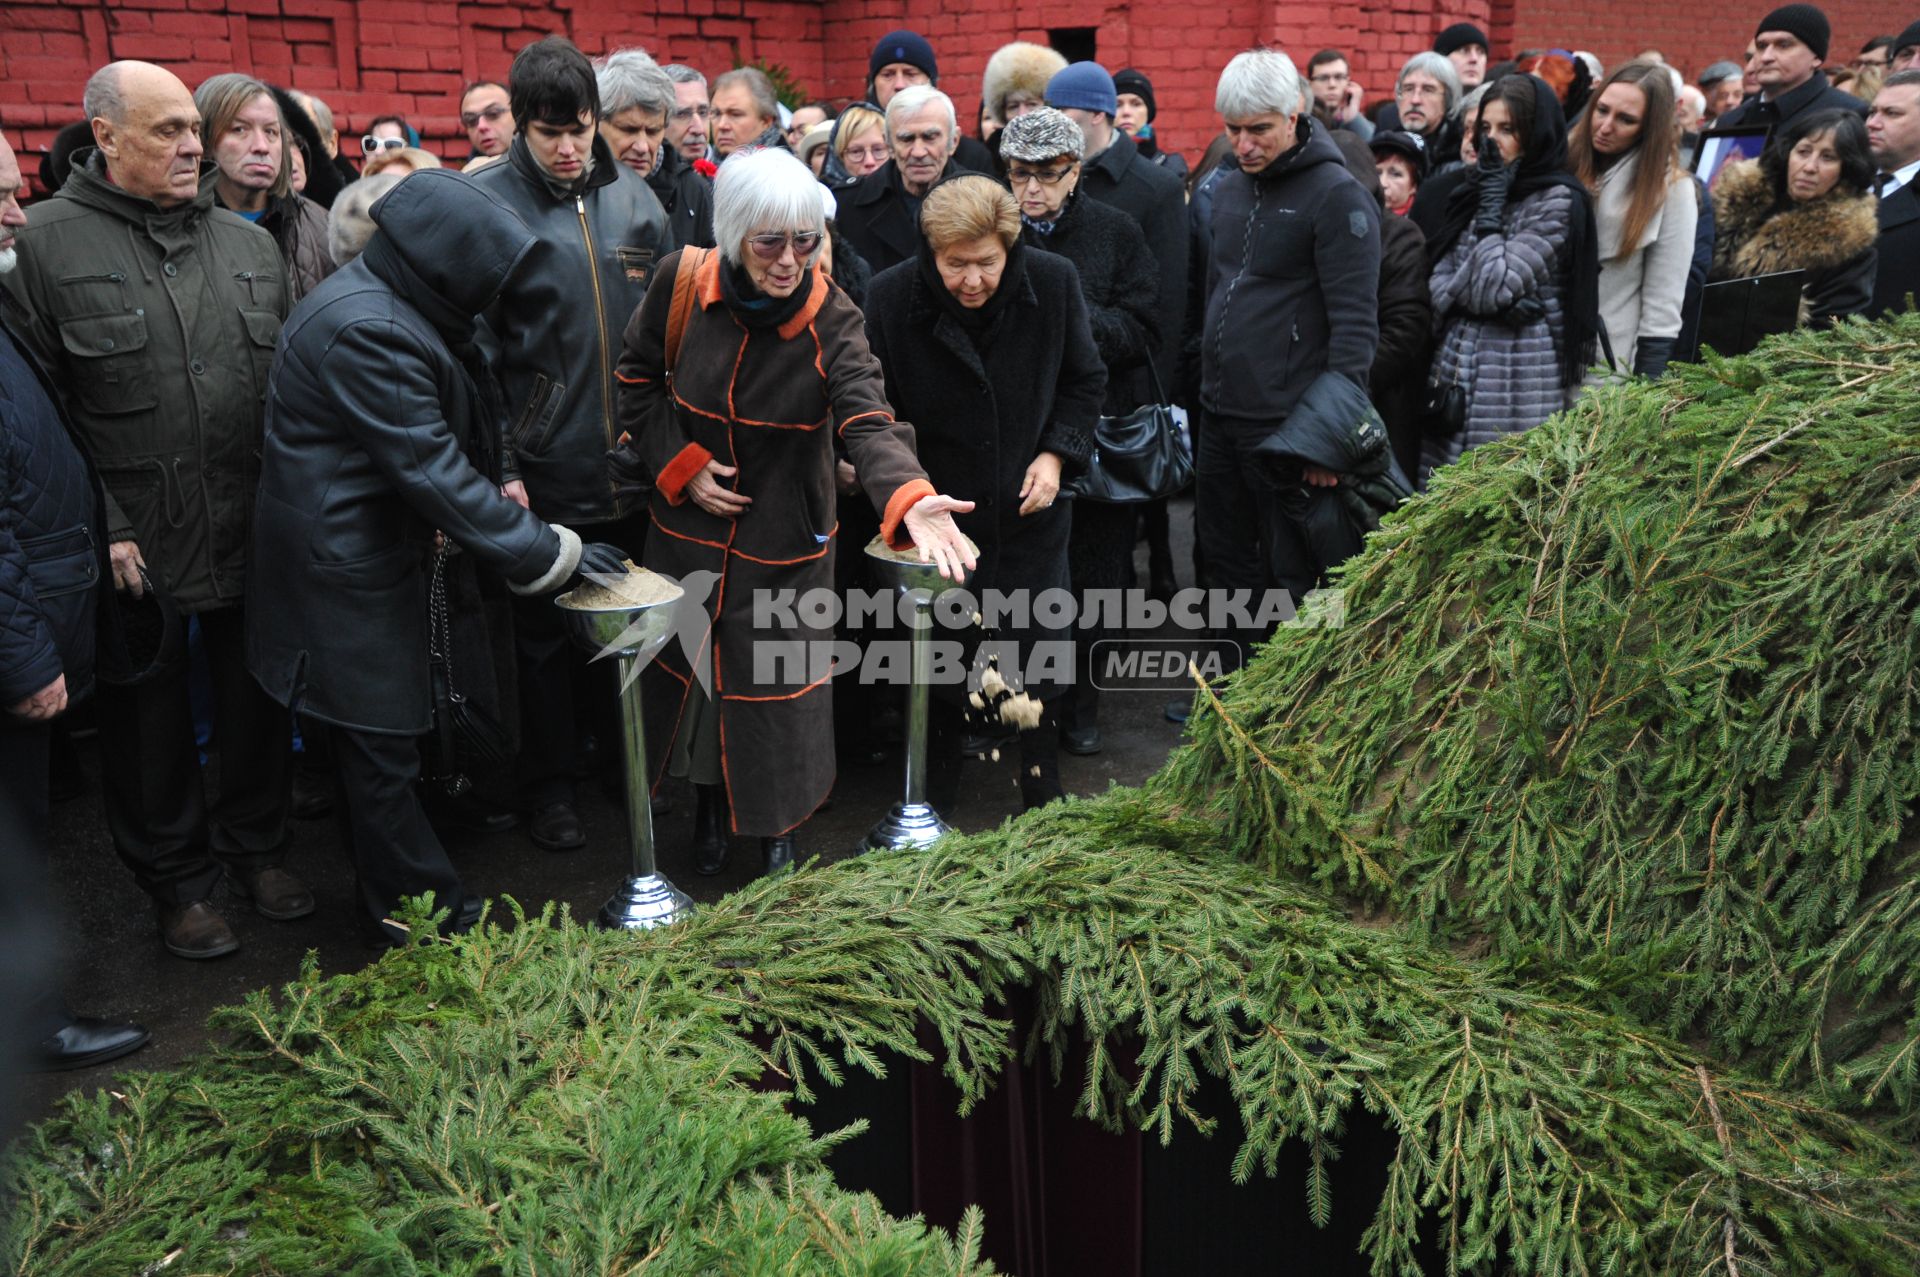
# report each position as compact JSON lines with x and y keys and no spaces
{"x":373,"y":57}
{"x":1689,"y":36}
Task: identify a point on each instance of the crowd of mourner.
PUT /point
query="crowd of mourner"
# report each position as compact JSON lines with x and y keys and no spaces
{"x":299,"y":451}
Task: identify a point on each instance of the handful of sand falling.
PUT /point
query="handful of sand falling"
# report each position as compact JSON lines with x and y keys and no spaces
{"x":640,"y":587}
{"x":1000,"y":703}
{"x":879,"y":549}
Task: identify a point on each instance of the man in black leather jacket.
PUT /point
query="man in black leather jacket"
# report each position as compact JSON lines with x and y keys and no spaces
{"x":598,"y":231}
{"x":382,"y":427}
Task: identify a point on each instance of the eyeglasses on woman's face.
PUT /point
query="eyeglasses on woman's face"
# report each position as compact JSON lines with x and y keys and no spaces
{"x":1019,"y":175}
{"x":372,"y":145}
{"x":770,"y":247}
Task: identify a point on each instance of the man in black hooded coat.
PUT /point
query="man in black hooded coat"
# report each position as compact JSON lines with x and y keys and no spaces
{"x":383,"y":429}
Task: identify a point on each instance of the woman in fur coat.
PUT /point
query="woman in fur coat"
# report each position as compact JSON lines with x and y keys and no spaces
{"x":1805,"y":204}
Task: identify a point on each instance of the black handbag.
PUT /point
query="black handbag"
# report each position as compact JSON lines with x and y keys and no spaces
{"x":1444,"y":411}
{"x":465,"y":737}
{"x":1136,"y":458}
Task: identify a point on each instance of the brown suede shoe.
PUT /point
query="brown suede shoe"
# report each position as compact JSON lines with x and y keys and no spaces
{"x":275,"y":893}
{"x":196,"y":931}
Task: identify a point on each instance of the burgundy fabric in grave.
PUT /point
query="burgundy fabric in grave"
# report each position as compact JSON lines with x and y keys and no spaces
{"x":1062,"y":1196}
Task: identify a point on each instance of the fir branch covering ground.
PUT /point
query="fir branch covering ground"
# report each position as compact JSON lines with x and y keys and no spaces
{"x":1552,"y":669}
{"x":1635,"y":697}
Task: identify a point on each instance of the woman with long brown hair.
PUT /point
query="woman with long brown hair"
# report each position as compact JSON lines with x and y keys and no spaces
{"x":1625,"y":151}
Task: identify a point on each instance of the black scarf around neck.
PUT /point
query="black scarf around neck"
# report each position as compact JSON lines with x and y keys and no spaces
{"x":1543,"y":165}
{"x":754,"y":308}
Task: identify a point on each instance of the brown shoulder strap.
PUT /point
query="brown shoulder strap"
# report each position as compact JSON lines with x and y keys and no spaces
{"x":691,"y":260}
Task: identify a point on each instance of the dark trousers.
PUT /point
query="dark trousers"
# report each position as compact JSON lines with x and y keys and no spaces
{"x":550,"y":658}
{"x":1039,"y":748}
{"x":1099,"y":557}
{"x":384,"y":825}
{"x":164,"y":828}
{"x":1254,"y":534}
{"x":30,"y":1006}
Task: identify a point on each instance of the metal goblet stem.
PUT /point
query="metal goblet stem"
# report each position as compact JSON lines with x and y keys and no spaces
{"x":633,"y":635}
{"x":913,"y":822}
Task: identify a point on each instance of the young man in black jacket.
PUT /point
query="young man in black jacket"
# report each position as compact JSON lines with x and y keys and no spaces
{"x":598,"y":231}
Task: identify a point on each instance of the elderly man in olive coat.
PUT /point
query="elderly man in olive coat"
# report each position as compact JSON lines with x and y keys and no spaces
{"x":157,"y":312}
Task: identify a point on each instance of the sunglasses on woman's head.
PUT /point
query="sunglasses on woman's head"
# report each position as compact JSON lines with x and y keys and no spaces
{"x":374,"y":145}
{"x":768,"y":248}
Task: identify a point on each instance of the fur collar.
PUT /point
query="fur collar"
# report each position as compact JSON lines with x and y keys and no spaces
{"x":1752,"y":238}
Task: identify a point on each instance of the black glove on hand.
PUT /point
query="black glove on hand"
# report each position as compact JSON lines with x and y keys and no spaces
{"x":631,"y":478}
{"x":1494,"y":177}
{"x":1528,"y":310}
{"x":597,"y":558}
{"x":1650,"y":356}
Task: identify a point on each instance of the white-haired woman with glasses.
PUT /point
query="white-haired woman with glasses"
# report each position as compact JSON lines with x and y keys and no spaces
{"x":734,"y":419}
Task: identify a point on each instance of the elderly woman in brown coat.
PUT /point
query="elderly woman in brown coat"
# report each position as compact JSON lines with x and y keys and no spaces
{"x":740,"y":368}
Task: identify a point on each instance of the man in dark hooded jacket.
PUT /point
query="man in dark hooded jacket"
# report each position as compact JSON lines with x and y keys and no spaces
{"x":1291,"y":292}
{"x":598,"y":231}
{"x":382,"y":425}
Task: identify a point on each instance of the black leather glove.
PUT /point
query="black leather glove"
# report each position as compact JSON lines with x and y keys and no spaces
{"x":597,"y":558}
{"x":1528,"y":310}
{"x":630,"y":475}
{"x":1650,"y":356}
{"x":1494,"y":177}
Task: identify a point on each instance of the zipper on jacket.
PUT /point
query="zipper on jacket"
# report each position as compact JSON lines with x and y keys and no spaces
{"x":599,"y":331}
{"x":246,"y":277}
{"x":111,"y":277}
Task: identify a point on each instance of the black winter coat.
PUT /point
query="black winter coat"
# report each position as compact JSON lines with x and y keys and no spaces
{"x":557,"y":328}
{"x":372,"y":419}
{"x":1899,"y":269}
{"x":687,"y":196}
{"x":1294,"y":288}
{"x":980,"y":421}
{"x":1406,"y":337}
{"x":1157,"y":202}
{"x":1119,"y":283}
{"x":1817,"y":94}
{"x":877,"y":218}
{"x":52,"y":540}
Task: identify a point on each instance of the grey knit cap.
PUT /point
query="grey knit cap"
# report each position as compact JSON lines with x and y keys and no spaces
{"x":1041,"y":134}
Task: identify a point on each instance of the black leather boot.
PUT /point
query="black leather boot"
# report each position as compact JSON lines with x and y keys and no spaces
{"x":709,"y":830}
{"x":776,"y":854}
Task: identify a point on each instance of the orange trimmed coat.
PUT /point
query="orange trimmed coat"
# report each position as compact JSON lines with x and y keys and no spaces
{"x":769,"y":402}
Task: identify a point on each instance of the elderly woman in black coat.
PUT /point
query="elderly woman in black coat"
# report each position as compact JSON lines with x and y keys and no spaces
{"x":1042,"y":150}
{"x":987,"y":349}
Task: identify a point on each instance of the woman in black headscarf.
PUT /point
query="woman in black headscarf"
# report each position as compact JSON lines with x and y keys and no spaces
{"x":1516,"y":279}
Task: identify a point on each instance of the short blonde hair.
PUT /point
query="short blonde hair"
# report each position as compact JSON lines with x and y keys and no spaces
{"x":966,"y":208}
{"x":350,"y":221}
{"x":854,"y":121}
{"x":411,"y":158}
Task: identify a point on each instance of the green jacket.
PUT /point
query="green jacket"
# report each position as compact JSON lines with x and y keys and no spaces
{"x":160,"y":326}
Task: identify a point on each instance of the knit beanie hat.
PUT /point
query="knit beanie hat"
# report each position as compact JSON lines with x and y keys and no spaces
{"x":1085,"y":85}
{"x":909,"y":47}
{"x":1905,"y":40}
{"x":1803,"y":22}
{"x":1041,"y":134}
{"x":1459,"y":36}
{"x":1719,"y":71}
{"x":1136,"y":83}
